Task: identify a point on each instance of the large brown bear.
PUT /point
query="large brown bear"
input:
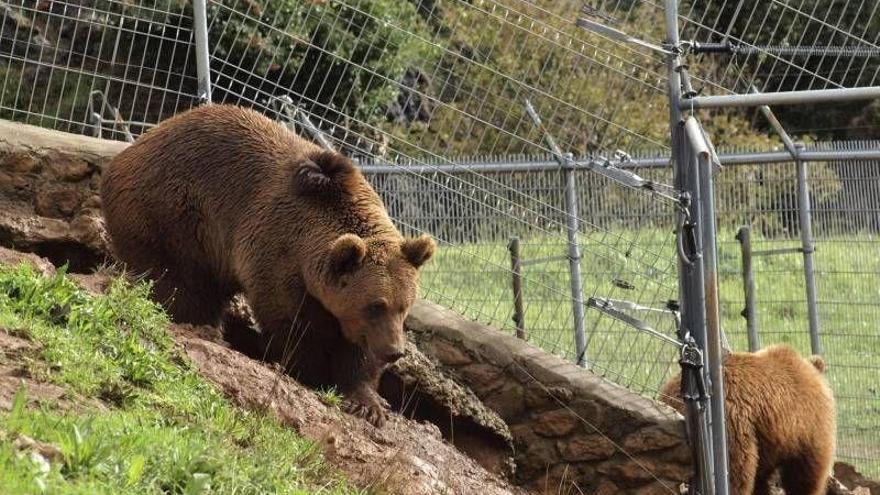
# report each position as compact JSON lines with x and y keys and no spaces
{"x":780,"y":414}
{"x":221,"y":200}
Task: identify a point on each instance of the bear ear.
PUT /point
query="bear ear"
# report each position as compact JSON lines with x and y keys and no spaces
{"x":347,"y":252}
{"x":817,"y":363}
{"x":310,"y":177}
{"x":315,"y":173}
{"x":419,"y":250}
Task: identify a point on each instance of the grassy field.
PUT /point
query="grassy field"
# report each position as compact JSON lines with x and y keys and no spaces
{"x":475,"y":280}
{"x":166,"y":430}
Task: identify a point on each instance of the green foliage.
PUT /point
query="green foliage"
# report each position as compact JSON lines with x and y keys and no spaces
{"x":348,"y":56}
{"x":166,"y":431}
{"x":330,"y":396}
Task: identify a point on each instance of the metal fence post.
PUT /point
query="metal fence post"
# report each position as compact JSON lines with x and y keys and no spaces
{"x":574,"y":259}
{"x":744,"y":236}
{"x":690,"y":267}
{"x":516,"y":273}
{"x":200,"y":32}
{"x":805,"y":223}
{"x":693,"y":315}
{"x":700,"y":149}
{"x":807,"y":247}
{"x":566,"y":162}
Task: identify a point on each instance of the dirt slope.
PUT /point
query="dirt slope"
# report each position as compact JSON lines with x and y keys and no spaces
{"x":404,"y":457}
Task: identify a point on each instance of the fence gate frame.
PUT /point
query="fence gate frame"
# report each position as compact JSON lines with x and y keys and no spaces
{"x":694,"y":161}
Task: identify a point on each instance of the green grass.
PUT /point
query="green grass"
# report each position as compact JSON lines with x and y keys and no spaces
{"x":165,"y":430}
{"x":475,"y":280}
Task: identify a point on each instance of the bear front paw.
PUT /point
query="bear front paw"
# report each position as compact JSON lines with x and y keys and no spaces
{"x":368,"y":406}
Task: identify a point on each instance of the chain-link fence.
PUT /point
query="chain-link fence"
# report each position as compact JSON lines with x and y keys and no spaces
{"x":475,"y":277}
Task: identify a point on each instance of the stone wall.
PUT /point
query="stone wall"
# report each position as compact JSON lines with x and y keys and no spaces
{"x":568,"y":425}
{"x":49,"y":193}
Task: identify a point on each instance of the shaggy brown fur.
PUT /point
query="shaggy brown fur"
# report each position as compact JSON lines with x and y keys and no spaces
{"x":221,"y":200}
{"x":780,"y":414}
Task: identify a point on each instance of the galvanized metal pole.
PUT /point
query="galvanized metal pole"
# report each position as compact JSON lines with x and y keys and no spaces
{"x":700,"y":148}
{"x":516,"y":273}
{"x":805,"y":223}
{"x":807,"y":247}
{"x":782,"y":98}
{"x":574,"y":260}
{"x":693,"y":321}
{"x":566,"y":161}
{"x":200,"y":32}
{"x":690,"y":266}
{"x":744,"y":236}
{"x":543,"y":165}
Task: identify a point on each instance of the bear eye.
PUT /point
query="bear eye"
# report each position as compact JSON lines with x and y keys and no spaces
{"x":376,"y":309}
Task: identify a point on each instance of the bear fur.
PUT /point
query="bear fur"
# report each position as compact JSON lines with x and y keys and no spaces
{"x":780,"y":414}
{"x":221,"y":200}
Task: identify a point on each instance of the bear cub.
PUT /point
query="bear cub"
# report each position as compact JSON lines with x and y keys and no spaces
{"x":221,"y":200}
{"x":780,"y":415}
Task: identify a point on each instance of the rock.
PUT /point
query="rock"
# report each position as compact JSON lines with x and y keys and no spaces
{"x":589,"y":411}
{"x":48,"y":451}
{"x":586,"y":448}
{"x":562,"y":478}
{"x":447,"y":353}
{"x":81,"y":243}
{"x":538,"y":396}
{"x":68,"y":168}
{"x":535,"y":455}
{"x":57,"y":201}
{"x":482,"y":378}
{"x":10,"y":182}
{"x":558,"y":423}
{"x":658,"y":488}
{"x":849,"y":476}
{"x":508,"y":400}
{"x":629,"y":472}
{"x":655,"y":437}
{"x":20,"y":163}
{"x":606,"y":487}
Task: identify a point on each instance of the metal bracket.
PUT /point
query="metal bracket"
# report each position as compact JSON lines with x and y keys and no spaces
{"x":284,"y":105}
{"x":610,"y":168}
{"x":615,"y":309}
{"x":96,"y":117}
{"x":619,"y":35}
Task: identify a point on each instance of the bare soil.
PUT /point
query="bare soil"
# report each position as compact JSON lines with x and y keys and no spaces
{"x":405,"y":456}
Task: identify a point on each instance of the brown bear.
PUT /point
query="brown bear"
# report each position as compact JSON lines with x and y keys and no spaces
{"x":780,"y":414}
{"x":221,"y":200}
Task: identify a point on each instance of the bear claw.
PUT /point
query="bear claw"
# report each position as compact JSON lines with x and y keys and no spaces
{"x":374,"y":410}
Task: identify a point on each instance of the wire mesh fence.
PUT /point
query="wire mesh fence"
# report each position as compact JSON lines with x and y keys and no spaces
{"x":103,"y":68}
{"x":407,"y":82}
{"x":411,"y":85}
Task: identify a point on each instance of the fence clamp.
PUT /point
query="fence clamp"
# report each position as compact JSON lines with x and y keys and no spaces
{"x":693,"y":384}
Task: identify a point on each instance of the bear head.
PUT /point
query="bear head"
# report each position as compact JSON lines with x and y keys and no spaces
{"x":372,"y":285}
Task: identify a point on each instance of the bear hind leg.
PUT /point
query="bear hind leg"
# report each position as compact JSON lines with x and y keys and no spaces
{"x":806,"y":475}
{"x":743,"y":463}
{"x":193,"y":298}
{"x":190,"y":295}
